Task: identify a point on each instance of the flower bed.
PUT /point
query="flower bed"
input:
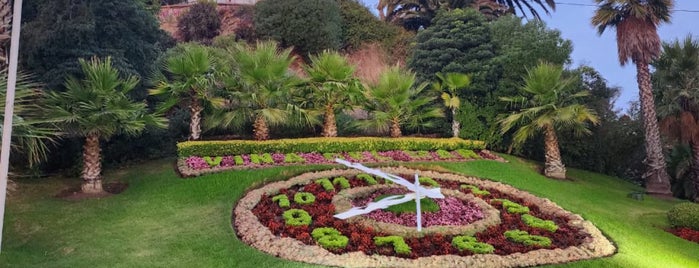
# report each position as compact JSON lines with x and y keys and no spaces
{"x":686,"y":234}
{"x":197,"y":165}
{"x":503,"y":239}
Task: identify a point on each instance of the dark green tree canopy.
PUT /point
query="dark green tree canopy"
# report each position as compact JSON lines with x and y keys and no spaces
{"x":310,"y":26}
{"x":57,"y":33}
{"x":200,"y":23}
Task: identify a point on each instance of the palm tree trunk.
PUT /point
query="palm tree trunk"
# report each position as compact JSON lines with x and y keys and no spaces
{"x":92,"y":165}
{"x":656,"y":176}
{"x":695,"y":171}
{"x":455,"y":125}
{"x":395,"y":128}
{"x":329,"y":123}
{"x":260,"y":129}
{"x":553,"y":168}
{"x":195,"y":120}
{"x":5,"y":24}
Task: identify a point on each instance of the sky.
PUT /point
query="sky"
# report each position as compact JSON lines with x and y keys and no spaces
{"x":572,"y":18}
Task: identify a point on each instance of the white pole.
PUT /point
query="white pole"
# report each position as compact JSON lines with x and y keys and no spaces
{"x":9,"y":109}
{"x":417,"y":204}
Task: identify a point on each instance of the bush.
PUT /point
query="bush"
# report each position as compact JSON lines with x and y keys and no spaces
{"x":342,"y":181}
{"x":511,"y":207}
{"x":684,"y":215}
{"x":304,"y":198}
{"x":325,"y":145}
{"x":535,"y":222}
{"x":367,"y":178}
{"x":329,"y":238}
{"x":525,"y":238}
{"x":296,"y":217}
{"x":310,"y":26}
{"x":282,"y":199}
{"x":359,"y":26}
{"x":399,"y":245}
{"x":475,"y":190}
{"x":200,"y":23}
{"x":469,"y":243}
{"x":428,"y":181}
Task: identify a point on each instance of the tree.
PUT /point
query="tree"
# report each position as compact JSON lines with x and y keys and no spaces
{"x":527,"y":4}
{"x":397,"y":101}
{"x":332,"y":86}
{"x":449,"y":86}
{"x":201,"y":23}
{"x":189,"y":81}
{"x":288,"y":22}
{"x":97,"y":108}
{"x":549,"y":107}
{"x":636,"y":24}
{"x":261,"y":90}
{"x":676,"y":80}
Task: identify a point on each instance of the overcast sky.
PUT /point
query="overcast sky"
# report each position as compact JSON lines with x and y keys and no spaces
{"x":600,"y":52}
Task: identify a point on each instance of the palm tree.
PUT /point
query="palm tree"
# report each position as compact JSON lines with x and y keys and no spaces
{"x":396,"y":101}
{"x":676,"y":82}
{"x":550,"y":106}
{"x":261,"y":91}
{"x":97,"y":108}
{"x":332,"y":86}
{"x":5,"y":29}
{"x":528,"y":5}
{"x":449,"y":86}
{"x":192,"y":72}
{"x":636,"y":24}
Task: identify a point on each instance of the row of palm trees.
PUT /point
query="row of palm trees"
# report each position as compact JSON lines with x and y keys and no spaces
{"x":244,"y":83}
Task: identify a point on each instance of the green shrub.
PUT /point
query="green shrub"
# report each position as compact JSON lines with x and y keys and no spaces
{"x":332,"y":156}
{"x":329,"y":238}
{"x":511,"y":207}
{"x":444,"y":154}
{"x":428,"y":181}
{"x":342,"y":181}
{"x":267,"y":158}
{"x":475,"y":190}
{"x":296,"y":217}
{"x":326,"y":184}
{"x":238,"y":160}
{"x":213,"y":161}
{"x":426,"y":205}
{"x":463,"y":242}
{"x":282,"y":199}
{"x":326,"y":145}
{"x":684,"y":215}
{"x":200,"y":23}
{"x":356,"y":155}
{"x":255,"y":159}
{"x":525,"y":238}
{"x":304,"y":198}
{"x":367,"y":178}
{"x":468,"y":154}
{"x":378,"y":157}
{"x":399,"y":245}
{"x":293,"y":158}
{"x":535,"y":222}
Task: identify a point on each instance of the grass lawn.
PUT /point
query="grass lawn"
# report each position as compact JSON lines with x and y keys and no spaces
{"x":164,"y":221}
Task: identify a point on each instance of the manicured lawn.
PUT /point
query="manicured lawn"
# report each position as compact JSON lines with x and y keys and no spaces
{"x":164,"y":221}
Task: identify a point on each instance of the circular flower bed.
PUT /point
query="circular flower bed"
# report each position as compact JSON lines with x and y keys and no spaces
{"x":501,"y":227}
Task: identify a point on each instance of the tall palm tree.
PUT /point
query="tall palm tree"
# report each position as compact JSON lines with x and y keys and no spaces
{"x":397,"y":101}
{"x":449,"y":86}
{"x":333,"y":87}
{"x":636,"y":23}
{"x":5,"y":29}
{"x":676,"y":86}
{"x":261,"y":90}
{"x":189,"y":81}
{"x":97,"y":108}
{"x":550,"y":105}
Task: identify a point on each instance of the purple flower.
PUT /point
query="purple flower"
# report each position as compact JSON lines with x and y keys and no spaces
{"x":278,"y":158}
{"x":227,"y":161}
{"x":197,"y":163}
{"x":313,"y":158}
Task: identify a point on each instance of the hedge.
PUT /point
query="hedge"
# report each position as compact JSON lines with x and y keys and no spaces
{"x":684,"y":215}
{"x":323,"y":145}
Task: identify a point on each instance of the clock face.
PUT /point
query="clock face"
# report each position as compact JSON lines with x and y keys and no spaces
{"x":477,"y":222}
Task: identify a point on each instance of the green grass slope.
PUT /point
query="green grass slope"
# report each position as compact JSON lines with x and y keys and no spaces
{"x":164,"y":221}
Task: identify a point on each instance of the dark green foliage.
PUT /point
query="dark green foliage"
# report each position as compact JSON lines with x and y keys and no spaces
{"x":310,"y":26}
{"x":511,"y":207}
{"x":282,"y":199}
{"x":399,"y":245}
{"x":297,"y":217}
{"x":426,"y":205}
{"x":475,"y":190}
{"x":469,"y":243}
{"x":304,"y":198}
{"x":684,"y":215}
{"x":329,"y":238}
{"x":525,"y":238}
{"x":535,"y":222}
{"x":201,"y":23}
{"x":367,"y":178}
{"x":359,"y":26}
{"x":235,"y":147}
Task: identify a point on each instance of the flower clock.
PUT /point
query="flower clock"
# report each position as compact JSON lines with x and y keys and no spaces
{"x":399,"y":217}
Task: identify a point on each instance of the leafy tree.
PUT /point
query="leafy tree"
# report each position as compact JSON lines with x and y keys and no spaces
{"x":549,"y":107}
{"x":449,"y":86}
{"x":188,"y":80}
{"x":676,"y":80}
{"x":56,"y":33}
{"x":201,"y":23}
{"x":395,"y":101}
{"x":360,"y":26}
{"x":636,"y":24}
{"x":333,"y":87}
{"x":261,"y":90}
{"x":289,"y":23}
{"x":97,"y":108}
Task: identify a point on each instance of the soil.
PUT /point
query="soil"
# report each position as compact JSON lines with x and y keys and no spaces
{"x":75,"y":193}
